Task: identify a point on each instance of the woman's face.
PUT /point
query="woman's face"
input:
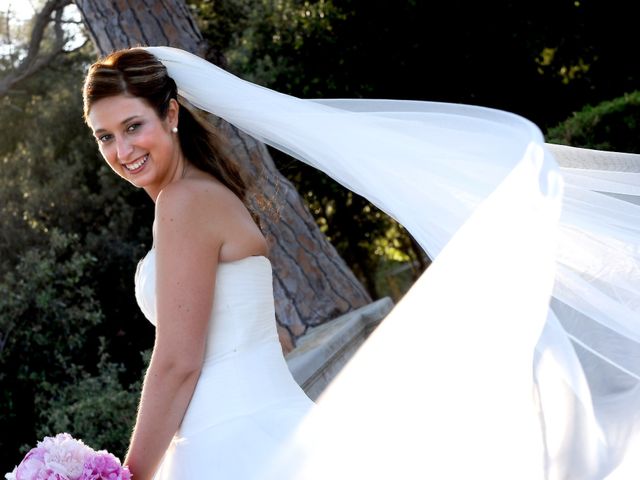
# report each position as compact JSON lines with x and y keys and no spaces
{"x":135,"y":142}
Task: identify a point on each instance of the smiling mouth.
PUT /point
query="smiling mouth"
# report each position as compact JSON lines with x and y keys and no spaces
{"x":132,"y":167}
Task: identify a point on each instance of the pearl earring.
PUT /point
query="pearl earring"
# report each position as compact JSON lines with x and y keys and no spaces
{"x":174,"y":129}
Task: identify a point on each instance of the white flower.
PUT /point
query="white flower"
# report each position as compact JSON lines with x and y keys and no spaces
{"x":11,"y":475}
{"x":65,"y":455}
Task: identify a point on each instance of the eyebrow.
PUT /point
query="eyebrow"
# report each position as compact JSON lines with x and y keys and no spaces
{"x":126,"y":120}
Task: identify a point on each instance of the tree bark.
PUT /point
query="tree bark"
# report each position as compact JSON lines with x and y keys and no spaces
{"x":312,"y":283}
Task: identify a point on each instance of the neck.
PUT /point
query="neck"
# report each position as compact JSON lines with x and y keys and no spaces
{"x":180,"y":169}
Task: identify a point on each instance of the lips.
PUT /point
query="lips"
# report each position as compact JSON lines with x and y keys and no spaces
{"x":136,"y":165}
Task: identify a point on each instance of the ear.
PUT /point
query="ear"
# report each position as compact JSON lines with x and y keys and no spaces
{"x":172,"y":113}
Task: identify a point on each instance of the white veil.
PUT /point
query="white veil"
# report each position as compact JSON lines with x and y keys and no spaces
{"x":529,"y":257}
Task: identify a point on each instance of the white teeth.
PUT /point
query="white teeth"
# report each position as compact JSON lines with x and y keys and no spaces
{"x":138,"y":164}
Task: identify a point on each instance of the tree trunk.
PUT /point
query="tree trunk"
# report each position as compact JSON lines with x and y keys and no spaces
{"x":312,"y":283}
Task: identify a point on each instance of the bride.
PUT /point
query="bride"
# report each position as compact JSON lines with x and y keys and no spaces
{"x":218,"y":355}
{"x":537,"y":268}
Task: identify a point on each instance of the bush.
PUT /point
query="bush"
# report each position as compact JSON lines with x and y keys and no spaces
{"x":99,"y":408}
{"x":612,"y":125}
{"x":46,"y":314}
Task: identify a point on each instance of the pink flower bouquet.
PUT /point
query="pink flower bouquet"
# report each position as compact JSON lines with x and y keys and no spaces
{"x":64,"y":458}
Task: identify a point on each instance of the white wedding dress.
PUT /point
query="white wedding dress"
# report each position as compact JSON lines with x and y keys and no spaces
{"x":246,"y":403}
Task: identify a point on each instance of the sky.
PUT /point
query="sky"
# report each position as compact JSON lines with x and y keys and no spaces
{"x":23,"y":10}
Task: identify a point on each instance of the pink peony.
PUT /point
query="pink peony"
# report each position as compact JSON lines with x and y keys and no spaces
{"x":32,"y":465}
{"x":64,"y":458}
{"x":104,"y":466}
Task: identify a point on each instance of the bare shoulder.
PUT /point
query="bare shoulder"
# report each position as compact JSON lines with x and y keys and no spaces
{"x":195,"y":206}
{"x":209,"y":210}
{"x":186,"y":194}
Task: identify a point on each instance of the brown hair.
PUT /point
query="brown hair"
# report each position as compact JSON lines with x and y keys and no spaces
{"x":138,"y":73}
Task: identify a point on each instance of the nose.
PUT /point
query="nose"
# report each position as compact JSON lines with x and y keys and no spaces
{"x":123,"y":148}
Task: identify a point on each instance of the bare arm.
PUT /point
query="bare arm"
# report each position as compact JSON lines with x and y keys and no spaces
{"x":187,"y":249}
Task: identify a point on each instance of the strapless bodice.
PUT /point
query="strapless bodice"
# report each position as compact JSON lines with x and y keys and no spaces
{"x":244,"y":374}
{"x":243,"y":312}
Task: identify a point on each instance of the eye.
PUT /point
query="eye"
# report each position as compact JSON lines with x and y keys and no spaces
{"x":133,"y":127}
{"x":104,"y":138}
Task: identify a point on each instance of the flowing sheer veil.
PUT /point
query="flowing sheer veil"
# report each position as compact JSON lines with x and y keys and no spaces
{"x":517,"y":353}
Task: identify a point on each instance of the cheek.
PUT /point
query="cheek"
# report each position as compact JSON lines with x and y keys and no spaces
{"x":109,"y":156}
{"x":157,"y":141}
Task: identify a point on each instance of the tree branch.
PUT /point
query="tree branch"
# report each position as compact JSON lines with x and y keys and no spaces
{"x":34,"y":60}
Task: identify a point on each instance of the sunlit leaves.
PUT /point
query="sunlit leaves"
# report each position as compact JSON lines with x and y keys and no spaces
{"x":566,"y":73}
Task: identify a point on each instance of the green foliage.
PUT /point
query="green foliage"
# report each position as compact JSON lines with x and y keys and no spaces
{"x":98,"y":408}
{"x":271,"y":42}
{"x":46,"y":315}
{"x":281,"y":43}
{"x":611,"y":125}
{"x":221,"y":19}
{"x":284,"y":44}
